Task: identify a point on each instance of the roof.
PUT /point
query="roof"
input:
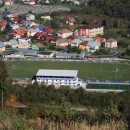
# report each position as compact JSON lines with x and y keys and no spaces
{"x":3,"y":23}
{"x":28,"y":50}
{"x":28,"y":15}
{"x":65,"y":31}
{"x":39,"y":45}
{"x":32,"y":30}
{"x":68,"y":54}
{"x":28,"y":23}
{"x":41,"y":35}
{"x":72,"y":37}
{"x":41,"y":27}
{"x":2,"y":44}
{"x":111,"y":40}
{"x":91,"y":26}
{"x":44,"y":53}
{"x":64,"y":73}
{"x":100,"y":39}
{"x":84,"y":43}
{"x":48,"y":29}
{"x":62,"y":40}
{"x":61,"y":47}
{"x":71,"y":19}
{"x":21,"y":31}
{"x":5,"y":13}
{"x":54,"y":38}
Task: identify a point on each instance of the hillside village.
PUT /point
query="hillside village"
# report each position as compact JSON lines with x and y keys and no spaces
{"x":29,"y":38}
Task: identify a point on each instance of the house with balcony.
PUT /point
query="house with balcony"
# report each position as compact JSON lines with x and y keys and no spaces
{"x":58,"y":77}
{"x":91,"y":30}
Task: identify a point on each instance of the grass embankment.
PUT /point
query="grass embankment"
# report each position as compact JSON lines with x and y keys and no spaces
{"x":107,"y":71}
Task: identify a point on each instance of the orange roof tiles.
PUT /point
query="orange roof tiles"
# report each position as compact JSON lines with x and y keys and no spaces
{"x":65,"y":31}
{"x":21,"y":31}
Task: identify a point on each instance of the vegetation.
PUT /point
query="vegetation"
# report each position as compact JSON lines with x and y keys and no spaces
{"x":63,"y":108}
{"x":86,"y":70}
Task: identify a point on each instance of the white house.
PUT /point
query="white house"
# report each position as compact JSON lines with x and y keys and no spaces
{"x":29,"y":24}
{"x":2,"y":47}
{"x":8,"y":2}
{"x":14,"y":26}
{"x":58,"y":77}
{"x":46,"y":17}
{"x":45,"y":54}
{"x":64,"y":33}
{"x":111,"y":43}
{"x":30,"y":17}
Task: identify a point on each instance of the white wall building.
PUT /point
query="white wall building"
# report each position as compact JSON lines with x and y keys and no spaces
{"x":111,"y":43}
{"x":58,"y":77}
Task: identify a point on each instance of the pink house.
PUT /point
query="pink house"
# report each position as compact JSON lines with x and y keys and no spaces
{"x":3,"y":24}
{"x":99,"y":40}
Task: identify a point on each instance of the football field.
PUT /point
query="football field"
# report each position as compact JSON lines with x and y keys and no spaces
{"x":106,"y":71}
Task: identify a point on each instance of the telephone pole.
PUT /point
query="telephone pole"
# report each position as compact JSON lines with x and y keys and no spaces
{"x":2,"y":97}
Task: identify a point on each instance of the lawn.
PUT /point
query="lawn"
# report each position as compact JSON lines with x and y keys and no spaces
{"x":27,"y":69}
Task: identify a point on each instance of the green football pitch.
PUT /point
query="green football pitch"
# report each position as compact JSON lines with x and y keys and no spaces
{"x":106,"y":71}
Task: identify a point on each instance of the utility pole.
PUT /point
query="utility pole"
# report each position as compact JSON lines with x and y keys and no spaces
{"x":2,"y":97}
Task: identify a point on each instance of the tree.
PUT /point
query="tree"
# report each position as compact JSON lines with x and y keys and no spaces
{"x":128,"y":51}
{"x":3,"y":73}
{"x":12,"y":102}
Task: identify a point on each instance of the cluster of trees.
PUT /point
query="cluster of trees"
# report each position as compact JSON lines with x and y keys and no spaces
{"x":56,"y":104}
{"x":73,"y":49}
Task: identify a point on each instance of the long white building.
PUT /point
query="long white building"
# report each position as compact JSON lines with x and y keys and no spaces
{"x":58,"y":77}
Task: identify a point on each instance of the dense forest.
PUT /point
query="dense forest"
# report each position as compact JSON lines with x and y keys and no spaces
{"x":113,"y":8}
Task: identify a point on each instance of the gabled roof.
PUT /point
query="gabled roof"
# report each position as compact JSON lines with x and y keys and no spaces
{"x":100,"y":39}
{"x":64,"y":31}
{"x":111,"y":40}
{"x":40,"y":35}
{"x":39,"y":45}
{"x":5,"y":13}
{"x":28,"y":15}
{"x":48,"y":29}
{"x":54,"y":38}
{"x":85,"y":43}
{"x":41,"y":27}
{"x":72,"y":37}
{"x":92,"y":44}
{"x":28,"y":23}
{"x":71,"y":19}
{"x":31,"y":30}
{"x":13,"y":42}
{"x":62,"y":40}
{"x":21,"y":31}
{"x":3,"y":23}
{"x":1,"y":44}
{"x":91,"y":26}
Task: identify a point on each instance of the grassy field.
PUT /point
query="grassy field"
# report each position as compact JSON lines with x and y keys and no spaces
{"x":27,"y":69}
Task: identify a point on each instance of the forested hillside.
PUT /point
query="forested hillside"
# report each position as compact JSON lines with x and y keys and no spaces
{"x":116,"y":8}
